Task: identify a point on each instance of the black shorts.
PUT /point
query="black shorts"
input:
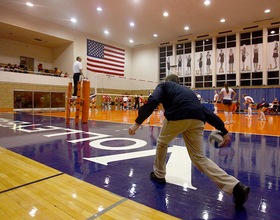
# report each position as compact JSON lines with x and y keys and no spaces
{"x":227,"y":102}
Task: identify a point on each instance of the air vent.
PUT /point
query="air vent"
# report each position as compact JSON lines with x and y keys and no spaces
{"x":37,"y":39}
{"x":185,"y":35}
{"x":263,"y":20}
{"x":182,"y":40}
{"x":165,"y":43}
{"x":224,"y":32}
{"x":138,"y":45}
{"x":278,"y":22}
{"x":206,"y":35}
{"x":246,"y":28}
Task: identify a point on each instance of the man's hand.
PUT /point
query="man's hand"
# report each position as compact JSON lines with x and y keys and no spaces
{"x":226,"y":140}
{"x":133,"y":128}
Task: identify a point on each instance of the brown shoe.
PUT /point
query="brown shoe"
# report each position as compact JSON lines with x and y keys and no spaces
{"x":240,"y":194}
{"x":158,"y":180}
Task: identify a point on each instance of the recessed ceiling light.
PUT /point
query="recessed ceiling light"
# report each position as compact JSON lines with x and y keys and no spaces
{"x":222,"y":20}
{"x":207,"y":2}
{"x":99,"y":9}
{"x":267,"y":11}
{"x":155,"y":35}
{"x":165,"y":14}
{"x":29,"y":4}
{"x":186,"y":28}
{"x":73,"y":20}
{"x":131,"y":41}
{"x":106,"y":32}
{"x":131,"y":24}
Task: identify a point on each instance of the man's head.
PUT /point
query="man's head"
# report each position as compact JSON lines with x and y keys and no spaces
{"x":79,"y":59}
{"x":173,"y":78}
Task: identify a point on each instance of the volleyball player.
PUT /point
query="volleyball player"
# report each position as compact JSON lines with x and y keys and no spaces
{"x":248,"y":100}
{"x":227,"y":102}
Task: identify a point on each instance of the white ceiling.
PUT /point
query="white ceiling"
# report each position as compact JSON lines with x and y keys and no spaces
{"x":147,"y":16}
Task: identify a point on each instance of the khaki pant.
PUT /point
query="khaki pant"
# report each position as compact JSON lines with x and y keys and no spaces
{"x":192,"y":132}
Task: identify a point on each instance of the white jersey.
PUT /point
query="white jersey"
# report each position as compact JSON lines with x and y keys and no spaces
{"x":216,"y":97}
{"x":199,"y":97}
{"x":77,"y":66}
{"x":249,"y":99}
{"x":227,"y":95}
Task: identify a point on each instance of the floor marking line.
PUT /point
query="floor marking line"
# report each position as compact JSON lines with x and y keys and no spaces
{"x":107,"y":209}
{"x":7,"y":190}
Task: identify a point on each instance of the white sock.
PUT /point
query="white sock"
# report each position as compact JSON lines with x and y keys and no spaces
{"x":215,"y":110}
{"x":161,"y":115}
{"x":249,"y":111}
{"x":230,"y":116}
{"x":226,"y":114}
{"x":262,"y":115}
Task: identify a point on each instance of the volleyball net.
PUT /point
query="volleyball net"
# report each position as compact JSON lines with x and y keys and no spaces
{"x":119,"y":85}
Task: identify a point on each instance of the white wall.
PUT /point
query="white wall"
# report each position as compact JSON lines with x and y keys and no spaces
{"x":33,"y":79}
{"x":62,"y":57}
{"x":10,"y":52}
{"x":146,"y":63}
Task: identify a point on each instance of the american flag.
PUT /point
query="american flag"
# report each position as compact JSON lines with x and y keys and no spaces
{"x":102,"y":58}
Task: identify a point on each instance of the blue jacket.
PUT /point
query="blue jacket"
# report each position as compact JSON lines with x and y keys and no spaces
{"x":179,"y":103}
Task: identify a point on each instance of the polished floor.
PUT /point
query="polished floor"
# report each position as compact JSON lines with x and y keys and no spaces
{"x":50,"y":170}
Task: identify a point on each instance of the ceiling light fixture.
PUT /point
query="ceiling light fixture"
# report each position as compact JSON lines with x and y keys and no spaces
{"x":99,"y":9}
{"x":73,"y":20}
{"x":222,"y":20}
{"x":207,"y":2}
{"x":106,"y":32}
{"x":267,"y":11}
{"x":131,"y":41}
{"x":186,"y":28}
{"x":29,"y":4}
{"x":272,"y":32}
{"x":155,"y":35}
{"x":131,"y":24}
{"x":165,"y":14}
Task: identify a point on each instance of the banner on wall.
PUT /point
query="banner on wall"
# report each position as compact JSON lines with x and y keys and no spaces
{"x":208,"y":62}
{"x":169,"y":64}
{"x":221,"y":61}
{"x":272,"y":56}
{"x":230,"y":57}
{"x":257,"y":57}
{"x":245,"y":58}
{"x":199,"y":64}
{"x":180,"y":65}
{"x":188,"y":64}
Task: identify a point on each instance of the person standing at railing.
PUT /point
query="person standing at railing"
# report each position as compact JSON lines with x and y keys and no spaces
{"x":78,"y":71}
{"x":40,"y":67}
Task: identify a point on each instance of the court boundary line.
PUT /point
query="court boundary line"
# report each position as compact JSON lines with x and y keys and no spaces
{"x":17,"y":187}
{"x":108,"y":209}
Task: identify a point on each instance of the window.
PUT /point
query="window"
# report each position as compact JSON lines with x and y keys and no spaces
{"x":273,"y":56}
{"x":183,"y":57}
{"x":251,"y":72}
{"x":226,"y":61}
{"x":164,"y":53}
{"x":203,"y":63}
